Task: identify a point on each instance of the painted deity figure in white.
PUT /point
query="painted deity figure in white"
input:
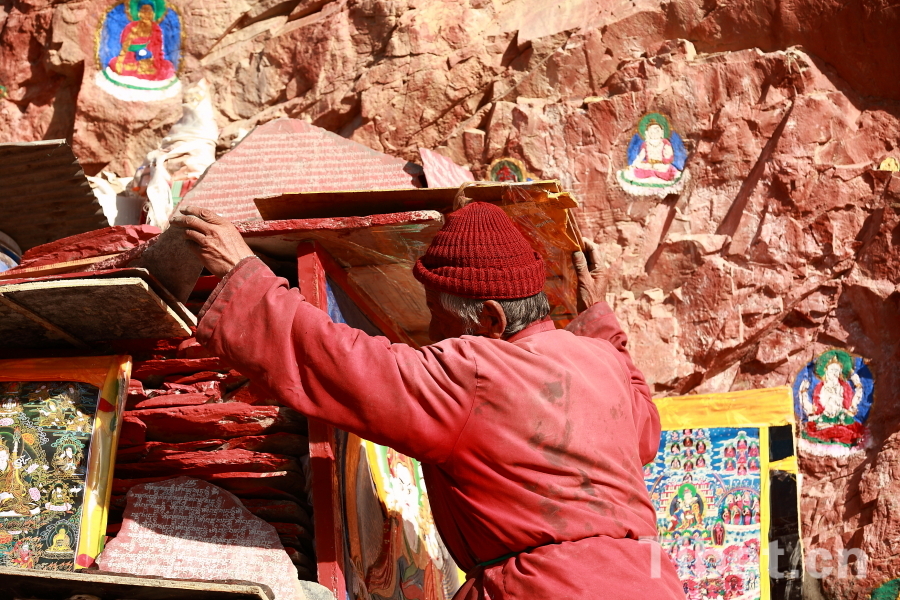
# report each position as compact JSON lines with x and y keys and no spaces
{"x":656,"y":155}
{"x":403,"y":496}
{"x":656,"y":159}
{"x":833,"y":398}
{"x":831,"y":405}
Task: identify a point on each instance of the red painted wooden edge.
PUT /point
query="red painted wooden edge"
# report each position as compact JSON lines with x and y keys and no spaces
{"x":325,"y":486}
{"x":249,"y":229}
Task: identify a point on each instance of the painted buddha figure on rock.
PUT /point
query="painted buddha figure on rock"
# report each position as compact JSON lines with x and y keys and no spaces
{"x":656,"y":159}
{"x":142,"y":47}
{"x":831,"y":404}
{"x":139,"y":49}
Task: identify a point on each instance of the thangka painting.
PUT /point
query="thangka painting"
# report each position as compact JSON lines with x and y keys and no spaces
{"x":139,"y":51}
{"x":656,"y":159}
{"x":394,"y":548}
{"x":393,"y":545}
{"x":56,"y":443}
{"x":709,"y":485}
{"x":706,"y":488}
{"x":832,"y":397}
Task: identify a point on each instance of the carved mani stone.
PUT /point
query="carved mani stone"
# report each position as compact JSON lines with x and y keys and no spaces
{"x":186,"y":528}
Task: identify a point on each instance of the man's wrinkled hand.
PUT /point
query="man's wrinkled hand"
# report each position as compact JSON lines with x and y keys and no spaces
{"x":214,"y":239}
{"x":592,"y":280}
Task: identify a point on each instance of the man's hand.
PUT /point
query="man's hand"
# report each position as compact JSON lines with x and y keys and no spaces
{"x":592,"y":281}
{"x":214,"y":239}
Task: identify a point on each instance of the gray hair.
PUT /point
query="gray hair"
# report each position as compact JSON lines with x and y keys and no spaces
{"x":520,"y":313}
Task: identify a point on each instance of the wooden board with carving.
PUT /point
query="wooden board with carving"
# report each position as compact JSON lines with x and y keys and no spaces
{"x":77,"y":312}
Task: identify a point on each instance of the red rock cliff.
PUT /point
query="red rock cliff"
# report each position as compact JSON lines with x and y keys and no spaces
{"x":783,"y":243}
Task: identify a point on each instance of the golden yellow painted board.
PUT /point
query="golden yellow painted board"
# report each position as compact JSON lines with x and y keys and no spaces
{"x":59,"y":426}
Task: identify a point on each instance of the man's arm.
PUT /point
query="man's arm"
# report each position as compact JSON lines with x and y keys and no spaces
{"x":600,"y":322}
{"x":597,"y":320}
{"x":415,"y":401}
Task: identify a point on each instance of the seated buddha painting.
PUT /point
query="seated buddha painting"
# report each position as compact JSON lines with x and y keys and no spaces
{"x":45,"y":437}
{"x":656,"y":159}
{"x":833,"y":396}
{"x":139,"y":50}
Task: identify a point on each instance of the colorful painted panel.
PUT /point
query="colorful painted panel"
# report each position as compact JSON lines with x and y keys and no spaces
{"x":508,"y":170}
{"x":57,"y":439}
{"x":708,"y":492}
{"x":394,"y":549}
{"x":832,"y":397}
{"x":45,"y":435}
{"x":656,"y":159}
{"x":139,"y":50}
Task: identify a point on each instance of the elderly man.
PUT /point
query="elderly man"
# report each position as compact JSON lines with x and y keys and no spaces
{"x":532,"y":438}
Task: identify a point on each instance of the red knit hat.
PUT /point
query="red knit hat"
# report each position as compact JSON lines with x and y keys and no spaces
{"x":479,"y":253}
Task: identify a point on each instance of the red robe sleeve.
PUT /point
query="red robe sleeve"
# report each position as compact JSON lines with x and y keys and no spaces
{"x":600,"y":322}
{"x":416,"y":401}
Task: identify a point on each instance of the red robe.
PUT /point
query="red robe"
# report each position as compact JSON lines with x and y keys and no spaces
{"x":532,"y":446}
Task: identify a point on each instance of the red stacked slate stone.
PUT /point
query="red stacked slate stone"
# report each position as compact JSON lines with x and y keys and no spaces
{"x":99,"y":242}
{"x":196,"y":417}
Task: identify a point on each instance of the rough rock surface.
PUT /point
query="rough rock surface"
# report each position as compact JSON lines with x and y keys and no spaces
{"x":394,"y":74}
{"x":784,"y":243}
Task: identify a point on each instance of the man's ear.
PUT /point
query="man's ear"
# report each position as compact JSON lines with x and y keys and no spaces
{"x":493,"y":320}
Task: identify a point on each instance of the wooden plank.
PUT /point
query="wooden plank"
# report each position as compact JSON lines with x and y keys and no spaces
{"x":311,"y":205}
{"x":55,"y":268}
{"x":183,"y":313}
{"x":368,"y":303}
{"x":25,"y":332}
{"x":50,"y":327}
{"x":311,"y":275}
{"x":352,"y":241}
{"x":374,"y":254}
{"x":392,"y":299}
{"x":95,"y":310}
{"x":49,"y":585}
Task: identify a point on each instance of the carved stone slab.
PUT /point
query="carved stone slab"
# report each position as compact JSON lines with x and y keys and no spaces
{"x":287,"y":156}
{"x":186,"y":528}
{"x":440,"y":171}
